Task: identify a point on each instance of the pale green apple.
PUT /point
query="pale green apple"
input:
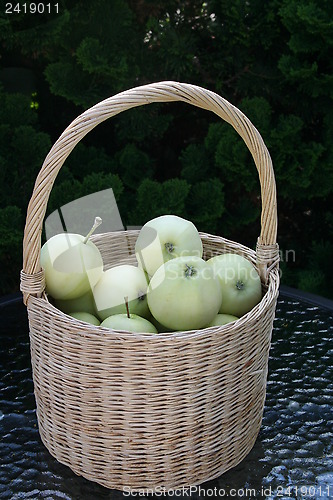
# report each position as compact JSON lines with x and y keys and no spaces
{"x":132,"y":323}
{"x":184,"y":294}
{"x":239,"y":281}
{"x":84,"y":316}
{"x":159,"y":327}
{"x":164,"y":238}
{"x":83,"y":303}
{"x":118,"y":284}
{"x":222,"y":319}
{"x":72,"y":264}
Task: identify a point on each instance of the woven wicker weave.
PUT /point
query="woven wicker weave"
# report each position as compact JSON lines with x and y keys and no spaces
{"x":144,"y":410}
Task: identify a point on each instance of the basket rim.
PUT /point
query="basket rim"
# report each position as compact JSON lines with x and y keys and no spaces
{"x":271,"y":285}
{"x":254,"y":314}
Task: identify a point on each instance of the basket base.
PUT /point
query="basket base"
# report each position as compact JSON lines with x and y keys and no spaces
{"x":164,"y":483}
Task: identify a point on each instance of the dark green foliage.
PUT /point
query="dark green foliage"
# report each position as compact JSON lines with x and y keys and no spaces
{"x":97,"y":54}
{"x":155,"y":198}
{"x":71,"y":189}
{"x":15,"y":110}
{"x":319,"y":277}
{"x":134,"y":165}
{"x":310,"y":43}
{"x":11,"y":224}
{"x":94,"y":182}
{"x":145,"y":123}
{"x":206,"y":204}
{"x":270,"y":59}
{"x":22,"y":146}
{"x":194,"y":162}
{"x":230,"y":155}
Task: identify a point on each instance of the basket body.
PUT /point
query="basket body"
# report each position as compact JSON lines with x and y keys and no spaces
{"x":144,"y":410}
{"x":150,"y":411}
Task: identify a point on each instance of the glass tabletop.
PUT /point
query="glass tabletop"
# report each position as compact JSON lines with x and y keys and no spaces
{"x":292,"y":456}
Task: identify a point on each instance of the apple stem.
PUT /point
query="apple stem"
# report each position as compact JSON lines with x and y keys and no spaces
{"x":98,"y":222}
{"x":127,"y":308}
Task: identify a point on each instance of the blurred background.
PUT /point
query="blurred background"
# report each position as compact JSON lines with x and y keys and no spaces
{"x":272,"y":59}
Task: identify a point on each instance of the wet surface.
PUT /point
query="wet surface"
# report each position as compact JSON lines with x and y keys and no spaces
{"x":292,"y":457}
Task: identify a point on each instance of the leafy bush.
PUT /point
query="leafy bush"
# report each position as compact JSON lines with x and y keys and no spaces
{"x":271,"y":59}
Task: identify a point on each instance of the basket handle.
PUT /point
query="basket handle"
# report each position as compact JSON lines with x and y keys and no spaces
{"x":32,"y":276}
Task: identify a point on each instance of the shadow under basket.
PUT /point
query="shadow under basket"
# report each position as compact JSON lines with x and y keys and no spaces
{"x":145,"y":410}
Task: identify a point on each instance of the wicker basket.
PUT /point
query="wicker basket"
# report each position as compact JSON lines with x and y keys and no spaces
{"x":143,"y":410}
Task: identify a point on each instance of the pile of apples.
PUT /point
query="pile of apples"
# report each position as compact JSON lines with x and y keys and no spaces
{"x":170,"y":289}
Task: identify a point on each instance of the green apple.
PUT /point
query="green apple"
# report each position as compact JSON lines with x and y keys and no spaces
{"x":239,"y":281}
{"x":184,"y":294}
{"x":164,"y":238}
{"x":72,"y":264}
{"x":222,"y":319}
{"x":116,"y":283}
{"x":130,"y":323}
{"x":84,"y":316}
{"x":159,"y":327}
{"x":83,"y":303}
